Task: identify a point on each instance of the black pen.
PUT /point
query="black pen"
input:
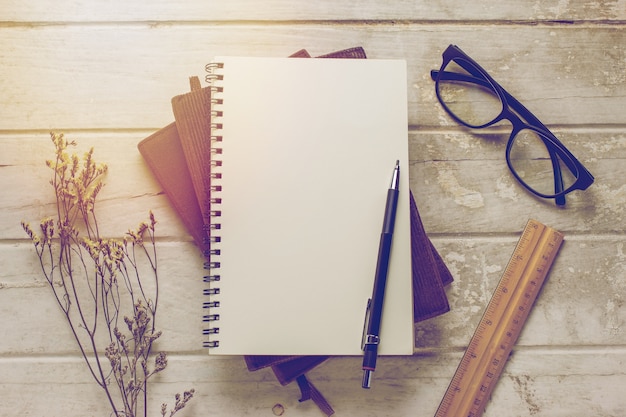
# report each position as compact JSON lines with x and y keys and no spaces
{"x":374,"y":311}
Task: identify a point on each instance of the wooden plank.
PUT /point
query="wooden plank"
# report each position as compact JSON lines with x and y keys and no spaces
{"x":459,"y":179}
{"x":579,"y":305}
{"x":123,"y":77}
{"x":533,"y":383}
{"x":163,"y":11}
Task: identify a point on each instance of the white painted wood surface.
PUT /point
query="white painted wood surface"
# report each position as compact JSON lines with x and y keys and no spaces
{"x":104,"y":73}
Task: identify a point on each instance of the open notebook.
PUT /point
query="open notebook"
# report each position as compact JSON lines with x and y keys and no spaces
{"x":303,"y":154}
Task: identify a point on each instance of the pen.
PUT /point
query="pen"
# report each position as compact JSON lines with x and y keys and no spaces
{"x":373,"y":314}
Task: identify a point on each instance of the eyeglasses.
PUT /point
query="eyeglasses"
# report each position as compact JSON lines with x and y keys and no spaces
{"x":537,"y":159}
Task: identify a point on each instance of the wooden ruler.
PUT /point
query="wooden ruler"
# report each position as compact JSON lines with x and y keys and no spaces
{"x":502,"y":322}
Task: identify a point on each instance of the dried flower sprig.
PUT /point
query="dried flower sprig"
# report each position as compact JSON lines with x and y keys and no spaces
{"x":97,"y":284}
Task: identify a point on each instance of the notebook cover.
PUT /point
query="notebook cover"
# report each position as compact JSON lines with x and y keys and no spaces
{"x":298,"y":213}
{"x":192,"y":112}
{"x":164,"y":155}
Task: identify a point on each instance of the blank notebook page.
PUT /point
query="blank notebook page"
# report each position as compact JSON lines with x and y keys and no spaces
{"x":308,"y":151}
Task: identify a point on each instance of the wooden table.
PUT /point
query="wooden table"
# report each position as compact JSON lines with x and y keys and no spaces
{"x":104,"y":73}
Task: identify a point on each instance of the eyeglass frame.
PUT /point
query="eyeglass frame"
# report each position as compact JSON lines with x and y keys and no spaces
{"x":520,"y":117}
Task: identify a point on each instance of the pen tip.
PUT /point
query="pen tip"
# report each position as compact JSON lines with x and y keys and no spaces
{"x":367,"y":379}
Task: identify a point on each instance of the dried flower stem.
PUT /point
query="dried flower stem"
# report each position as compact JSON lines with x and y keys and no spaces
{"x":97,"y":280}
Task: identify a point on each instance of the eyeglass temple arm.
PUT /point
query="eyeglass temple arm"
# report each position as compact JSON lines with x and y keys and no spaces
{"x":558,"y":179}
{"x":524,"y":112}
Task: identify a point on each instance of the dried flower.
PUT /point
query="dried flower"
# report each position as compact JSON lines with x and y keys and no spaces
{"x":97,"y":279}
{"x":160,"y":362}
{"x":179,"y":404}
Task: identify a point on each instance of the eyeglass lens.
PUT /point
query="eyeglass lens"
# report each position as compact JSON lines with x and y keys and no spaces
{"x":473,"y":100}
{"x":470,"y":99}
{"x":532,"y":163}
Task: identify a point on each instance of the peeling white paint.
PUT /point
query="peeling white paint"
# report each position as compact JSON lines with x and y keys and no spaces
{"x":614,"y":143}
{"x":506,"y":189}
{"x":462,"y":196}
{"x":613,"y":322}
{"x":455,"y":257}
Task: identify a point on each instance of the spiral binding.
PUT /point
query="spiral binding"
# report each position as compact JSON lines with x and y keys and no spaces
{"x":212,"y":228}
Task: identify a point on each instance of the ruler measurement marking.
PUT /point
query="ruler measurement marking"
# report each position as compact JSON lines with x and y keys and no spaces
{"x":502,"y":322}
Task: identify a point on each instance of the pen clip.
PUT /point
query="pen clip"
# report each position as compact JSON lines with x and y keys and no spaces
{"x":366,"y":322}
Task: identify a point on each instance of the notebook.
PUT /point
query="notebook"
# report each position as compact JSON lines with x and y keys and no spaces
{"x":303,"y":152}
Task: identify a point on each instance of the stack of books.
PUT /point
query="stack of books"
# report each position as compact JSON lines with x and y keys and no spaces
{"x":279,"y":169}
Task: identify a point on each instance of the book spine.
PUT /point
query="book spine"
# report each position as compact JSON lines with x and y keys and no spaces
{"x":213,"y":227}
